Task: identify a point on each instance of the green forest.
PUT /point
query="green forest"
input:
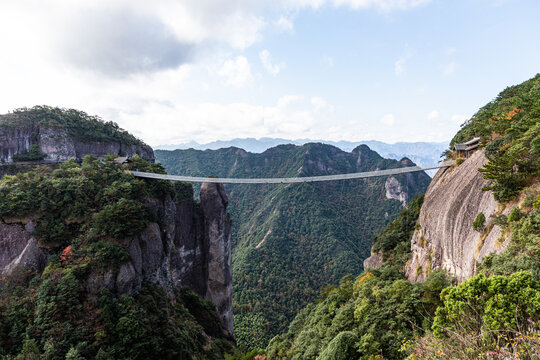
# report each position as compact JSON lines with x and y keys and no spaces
{"x":83,"y":215}
{"x":78,"y":124}
{"x":289,"y":241}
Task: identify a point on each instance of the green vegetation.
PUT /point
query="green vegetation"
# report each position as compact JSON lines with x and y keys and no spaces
{"x":510,"y":130}
{"x":50,"y":317}
{"x":479,"y":224}
{"x":34,"y":154}
{"x":380,"y":315}
{"x":371,"y":316}
{"x":361,"y":319}
{"x":493,"y":315}
{"x":290,"y":240}
{"x":394,"y":240}
{"x":483,"y":314}
{"x":83,"y":214}
{"x":92,"y":201}
{"x":78,"y":124}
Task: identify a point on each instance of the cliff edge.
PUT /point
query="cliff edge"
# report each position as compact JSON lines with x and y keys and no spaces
{"x":57,"y":135}
{"x":445,"y":238}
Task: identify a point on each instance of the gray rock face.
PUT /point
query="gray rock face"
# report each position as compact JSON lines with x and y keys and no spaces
{"x":217,"y":230}
{"x":191,"y":246}
{"x":19,"y":248}
{"x":15,"y":141}
{"x":59,"y":146}
{"x":446,"y":239}
{"x":374,"y":261}
{"x":394,"y":190}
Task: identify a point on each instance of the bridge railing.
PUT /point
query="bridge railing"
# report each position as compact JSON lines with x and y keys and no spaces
{"x":289,"y":180}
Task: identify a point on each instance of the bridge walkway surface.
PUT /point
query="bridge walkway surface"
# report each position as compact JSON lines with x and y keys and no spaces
{"x":360,"y":175}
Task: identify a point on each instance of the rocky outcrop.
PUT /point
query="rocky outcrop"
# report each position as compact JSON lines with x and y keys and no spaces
{"x":217,"y":231}
{"x":394,"y":190}
{"x":445,"y":238}
{"x":57,"y":145}
{"x":374,"y":261}
{"x":190,"y":245}
{"x":15,"y":140}
{"x":18,"y":247}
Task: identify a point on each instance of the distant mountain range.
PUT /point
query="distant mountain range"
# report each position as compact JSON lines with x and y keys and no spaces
{"x":422,"y":153}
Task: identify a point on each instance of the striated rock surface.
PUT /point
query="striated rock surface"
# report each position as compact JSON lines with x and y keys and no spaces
{"x":445,"y":238}
{"x":58,"y":145}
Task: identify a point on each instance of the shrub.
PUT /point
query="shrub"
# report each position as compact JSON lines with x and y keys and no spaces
{"x":514,"y":215}
{"x":459,"y":161}
{"x":121,"y":219}
{"x":479,"y":224}
{"x":33,"y":154}
{"x":483,"y":314}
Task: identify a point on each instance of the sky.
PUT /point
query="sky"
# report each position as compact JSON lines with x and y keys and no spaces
{"x":173,"y":71}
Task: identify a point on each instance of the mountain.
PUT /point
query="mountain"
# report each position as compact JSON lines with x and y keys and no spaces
{"x":290,"y":240}
{"x":457,"y":274}
{"x":421,"y":153}
{"x":98,"y":264}
{"x":55,"y":134}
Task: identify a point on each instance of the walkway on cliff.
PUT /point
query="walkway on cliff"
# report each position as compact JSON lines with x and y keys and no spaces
{"x":360,"y":175}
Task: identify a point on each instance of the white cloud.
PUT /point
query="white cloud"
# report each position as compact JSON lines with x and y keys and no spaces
{"x":388,"y":120}
{"x":449,"y":68}
{"x":285,"y":24}
{"x":237,"y":72}
{"x":131,"y":36}
{"x":459,"y":119}
{"x":291,"y":117}
{"x":271,"y":68}
{"x":385,"y":5}
{"x":399,"y":65}
{"x":288,"y":100}
{"x":321,"y":105}
{"x":433,"y":115}
{"x":144,"y":83}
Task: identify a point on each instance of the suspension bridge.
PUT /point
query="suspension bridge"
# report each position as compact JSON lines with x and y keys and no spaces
{"x":290,"y":180}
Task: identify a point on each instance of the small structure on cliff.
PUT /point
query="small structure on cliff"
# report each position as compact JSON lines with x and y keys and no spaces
{"x":465,"y":149}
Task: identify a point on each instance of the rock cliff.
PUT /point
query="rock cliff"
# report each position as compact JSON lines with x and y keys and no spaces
{"x":57,"y":145}
{"x":445,"y":238}
{"x":62,"y":134}
{"x":189,"y":245}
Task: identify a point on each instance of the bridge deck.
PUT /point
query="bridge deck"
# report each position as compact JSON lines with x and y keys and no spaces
{"x":360,"y":175}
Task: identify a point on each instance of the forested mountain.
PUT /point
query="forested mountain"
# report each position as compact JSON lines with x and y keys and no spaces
{"x":291,"y":240}
{"x":54,"y":134}
{"x":421,"y":153}
{"x":494,"y":313}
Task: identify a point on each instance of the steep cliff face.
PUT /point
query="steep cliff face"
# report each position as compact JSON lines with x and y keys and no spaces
{"x":190,"y":245}
{"x":57,"y":145}
{"x":62,"y":134}
{"x":445,"y":238}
